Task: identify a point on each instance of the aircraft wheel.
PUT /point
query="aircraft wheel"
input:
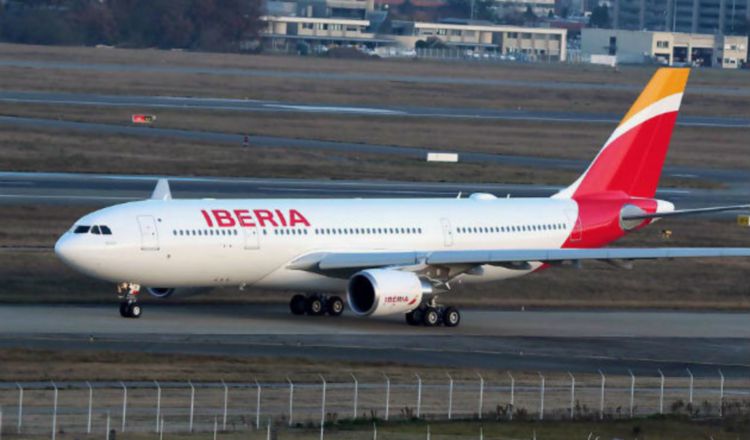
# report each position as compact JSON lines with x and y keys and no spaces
{"x":451,"y":317}
{"x":135,"y":310}
{"x":124,"y":309}
{"x":315,"y":306}
{"x":298,"y":304}
{"x":335,"y":306}
{"x":431,"y":317}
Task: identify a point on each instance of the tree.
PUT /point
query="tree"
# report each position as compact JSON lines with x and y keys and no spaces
{"x":529,"y":15}
{"x":600,"y":17}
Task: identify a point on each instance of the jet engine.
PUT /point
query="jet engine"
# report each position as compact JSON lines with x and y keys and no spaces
{"x":378,"y":292}
{"x":166,"y":292}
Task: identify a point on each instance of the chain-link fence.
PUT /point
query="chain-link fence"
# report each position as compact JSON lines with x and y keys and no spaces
{"x":91,"y":407}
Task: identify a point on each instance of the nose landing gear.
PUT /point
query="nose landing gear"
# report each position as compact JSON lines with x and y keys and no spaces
{"x":128,"y":296}
{"x":316,"y":305}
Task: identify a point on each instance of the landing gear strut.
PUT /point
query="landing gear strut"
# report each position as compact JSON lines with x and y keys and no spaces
{"x":128,"y":295}
{"x":430,"y":314}
{"x":316,"y":305}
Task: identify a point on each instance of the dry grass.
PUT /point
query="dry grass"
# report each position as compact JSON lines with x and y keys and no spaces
{"x":46,"y":150}
{"x":690,"y":145}
{"x":421,"y":68}
{"x":267,"y":85}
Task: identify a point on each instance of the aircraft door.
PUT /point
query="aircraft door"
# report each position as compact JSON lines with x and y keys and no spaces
{"x":447,"y":232}
{"x":149,"y":234}
{"x":251,"y":239}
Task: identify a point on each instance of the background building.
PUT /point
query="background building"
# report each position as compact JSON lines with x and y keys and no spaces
{"x":728,"y":17}
{"x":668,"y":48}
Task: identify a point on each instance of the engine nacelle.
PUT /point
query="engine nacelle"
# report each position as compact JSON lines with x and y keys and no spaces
{"x":166,"y":292}
{"x":378,"y":292}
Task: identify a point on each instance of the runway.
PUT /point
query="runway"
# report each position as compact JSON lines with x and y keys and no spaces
{"x":335,"y":76}
{"x":106,"y":189}
{"x":251,"y":105}
{"x":524,"y":340}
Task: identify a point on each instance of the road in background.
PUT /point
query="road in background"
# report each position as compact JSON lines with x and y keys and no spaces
{"x":251,"y":105}
{"x":106,"y":189}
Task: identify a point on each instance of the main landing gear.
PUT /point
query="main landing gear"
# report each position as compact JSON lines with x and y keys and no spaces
{"x":429,"y":314}
{"x":316,"y":305}
{"x":128,"y":296}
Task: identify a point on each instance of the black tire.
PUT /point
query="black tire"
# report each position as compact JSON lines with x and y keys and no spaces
{"x":135,"y":310}
{"x":411,"y":319}
{"x":298,"y":304}
{"x":315,"y":306}
{"x":124,"y":310}
{"x":451,"y":317}
{"x":431,"y":317}
{"x":335,"y":306}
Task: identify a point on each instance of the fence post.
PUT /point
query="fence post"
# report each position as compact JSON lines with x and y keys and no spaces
{"x":91,"y":407}
{"x":226,"y":400}
{"x":1,"y":422}
{"x":601,"y":400}
{"x":323,"y":409}
{"x":481,"y":395}
{"x":291,"y":401}
{"x":721,"y":395}
{"x":661,"y":393}
{"x":632,"y":392}
{"x":450,"y":396}
{"x":512,"y":395}
{"x":690,"y":389}
{"x":387,"y":396}
{"x":108,"y":425}
{"x":158,"y":405}
{"x":572,"y":395}
{"x":257,"y":405}
{"x":54,"y":412}
{"x":541,"y":396}
{"x":419,"y":395}
{"x":356,"y":394}
{"x":192,"y":405}
{"x":19,"y":424}
{"x":161,"y":430}
{"x":124,"y":405}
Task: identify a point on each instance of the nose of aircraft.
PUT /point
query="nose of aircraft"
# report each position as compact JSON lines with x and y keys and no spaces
{"x":64,"y":248}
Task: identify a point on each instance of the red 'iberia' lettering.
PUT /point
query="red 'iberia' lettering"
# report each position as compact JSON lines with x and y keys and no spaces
{"x":296,"y":217}
{"x":223,"y":218}
{"x":245,"y":218}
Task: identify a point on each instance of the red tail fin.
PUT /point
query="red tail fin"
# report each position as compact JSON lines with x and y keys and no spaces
{"x":632,"y":159}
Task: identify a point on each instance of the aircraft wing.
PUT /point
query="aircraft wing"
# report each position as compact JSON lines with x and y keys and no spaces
{"x":333,"y":261}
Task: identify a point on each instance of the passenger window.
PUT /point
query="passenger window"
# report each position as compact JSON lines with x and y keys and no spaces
{"x":105,"y":230}
{"x":95,"y":230}
{"x":81,"y":229}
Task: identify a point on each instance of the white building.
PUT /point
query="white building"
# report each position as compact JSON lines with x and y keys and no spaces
{"x":670,"y":48}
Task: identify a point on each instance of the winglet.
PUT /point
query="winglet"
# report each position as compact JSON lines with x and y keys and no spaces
{"x":161,"y":191}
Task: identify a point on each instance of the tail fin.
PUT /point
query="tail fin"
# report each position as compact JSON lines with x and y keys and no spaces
{"x":632,"y":159}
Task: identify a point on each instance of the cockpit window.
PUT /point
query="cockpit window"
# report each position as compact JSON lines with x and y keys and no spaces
{"x":81,"y":229}
{"x":105,"y":230}
{"x":95,"y":230}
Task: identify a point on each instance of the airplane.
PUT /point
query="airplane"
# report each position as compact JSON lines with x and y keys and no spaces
{"x":391,"y":256}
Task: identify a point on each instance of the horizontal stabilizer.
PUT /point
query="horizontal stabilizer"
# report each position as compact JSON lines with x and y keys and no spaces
{"x":645,"y":216}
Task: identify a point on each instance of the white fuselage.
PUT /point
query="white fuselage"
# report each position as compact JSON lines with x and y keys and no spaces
{"x":197,"y":243}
